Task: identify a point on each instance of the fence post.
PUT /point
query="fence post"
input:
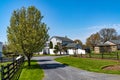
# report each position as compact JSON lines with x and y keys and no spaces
{"x":14,"y":67}
{"x":89,"y":55}
{"x":2,"y":72}
{"x":1,"y":59}
{"x":13,"y":58}
{"x":102,"y":55}
{"x":8,"y":71}
{"x":117,"y":56}
{"x":81,"y":55}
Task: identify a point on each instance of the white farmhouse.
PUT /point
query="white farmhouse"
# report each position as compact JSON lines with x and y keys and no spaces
{"x":55,"y":40}
{"x":72,"y":47}
{"x":63,"y":40}
{"x":0,"y":49}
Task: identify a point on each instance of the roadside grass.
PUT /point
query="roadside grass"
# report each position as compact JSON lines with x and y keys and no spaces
{"x":34,"y":72}
{"x":90,"y":64}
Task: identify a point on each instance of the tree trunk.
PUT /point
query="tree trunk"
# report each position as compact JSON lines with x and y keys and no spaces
{"x":28,"y":60}
{"x":60,"y":52}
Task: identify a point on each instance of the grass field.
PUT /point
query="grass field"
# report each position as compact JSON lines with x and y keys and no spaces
{"x":94,"y":65}
{"x":34,"y":72}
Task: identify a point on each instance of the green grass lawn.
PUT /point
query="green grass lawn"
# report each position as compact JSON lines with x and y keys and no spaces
{"x":89,"y":64}
{"x":34,"y":72}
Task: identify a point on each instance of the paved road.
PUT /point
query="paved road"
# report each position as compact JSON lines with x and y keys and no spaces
{"x":56,"y":71}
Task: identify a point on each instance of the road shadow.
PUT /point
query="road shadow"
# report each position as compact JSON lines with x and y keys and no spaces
{"x":52,"y":66}
{"x":44,"y":60}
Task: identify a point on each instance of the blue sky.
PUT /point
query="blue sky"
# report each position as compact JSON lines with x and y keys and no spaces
{"x":76,"y":19}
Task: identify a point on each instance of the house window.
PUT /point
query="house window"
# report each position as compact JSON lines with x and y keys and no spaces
{"x":114,"y":46}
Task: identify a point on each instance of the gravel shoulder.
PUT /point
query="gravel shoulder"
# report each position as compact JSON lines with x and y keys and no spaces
{"x":56,"y":71}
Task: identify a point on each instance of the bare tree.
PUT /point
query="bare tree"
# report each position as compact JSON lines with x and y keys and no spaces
{"x":107,"y":34}
{"x":118,"y":37}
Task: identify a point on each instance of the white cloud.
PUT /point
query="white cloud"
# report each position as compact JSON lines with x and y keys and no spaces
{"x":94,"y":29}
{"x":99,"y":27}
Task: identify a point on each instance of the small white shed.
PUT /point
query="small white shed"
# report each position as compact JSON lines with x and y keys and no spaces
{"x":75,"y":51}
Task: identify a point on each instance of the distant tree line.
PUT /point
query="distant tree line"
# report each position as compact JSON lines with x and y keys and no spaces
{"x":102,"y":36}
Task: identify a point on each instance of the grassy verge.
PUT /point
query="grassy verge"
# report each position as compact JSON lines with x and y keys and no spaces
{"x":94,"y":65}
{"x":34,"y":72}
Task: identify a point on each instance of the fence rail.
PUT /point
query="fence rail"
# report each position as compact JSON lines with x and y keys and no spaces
{"x":11,"y":70}
{"x":3,"y":59}
{"x":111,"y":56}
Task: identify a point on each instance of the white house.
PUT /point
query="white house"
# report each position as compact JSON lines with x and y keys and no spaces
{"x":0,"y":49}
{"x":66,"y":42}
{"x":63,"y":40}
{"x":55,"y":40}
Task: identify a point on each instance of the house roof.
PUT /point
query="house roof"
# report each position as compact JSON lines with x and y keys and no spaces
{"x":73,"y":45}
{"x":103,"y":45}
{"x":108,"y":43}
{"x":63,"y":38}
{"x":115,"y":41}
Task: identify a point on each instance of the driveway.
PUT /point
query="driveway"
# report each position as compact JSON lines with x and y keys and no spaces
{"x":56,"y":71}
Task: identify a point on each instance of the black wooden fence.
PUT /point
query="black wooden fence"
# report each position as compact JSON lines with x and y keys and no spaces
{"x":111,"y":56}
{"x":12,"y":71}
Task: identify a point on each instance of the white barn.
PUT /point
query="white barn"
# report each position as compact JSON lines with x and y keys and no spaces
{"x":74,"y":48}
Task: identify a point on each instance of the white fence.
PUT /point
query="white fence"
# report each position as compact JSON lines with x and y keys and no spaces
{"x":77,"y":51}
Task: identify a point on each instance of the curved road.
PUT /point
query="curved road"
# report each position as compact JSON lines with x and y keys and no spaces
{"x":56,"y":71}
